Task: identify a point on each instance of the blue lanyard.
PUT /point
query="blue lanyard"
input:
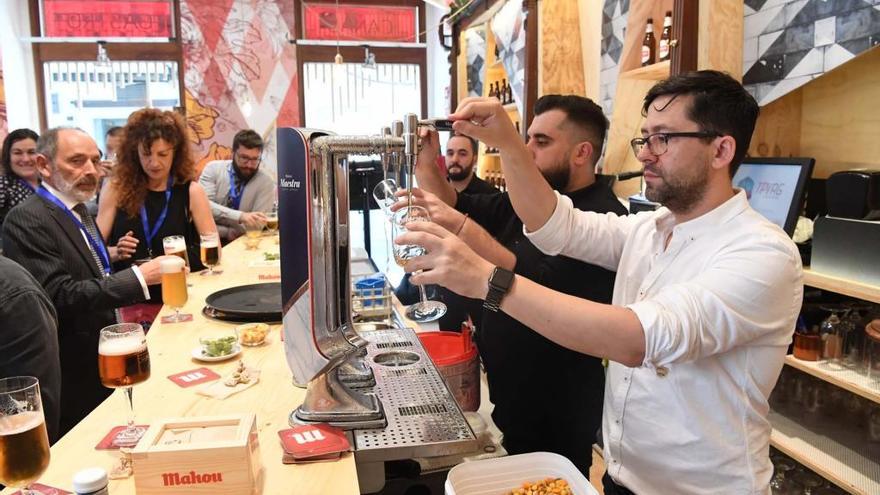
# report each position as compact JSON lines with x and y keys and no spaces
{"x":96,"y":244}
{"x":26,"y":184}
{"x":234,"y":195}
{"x":150,"y":233}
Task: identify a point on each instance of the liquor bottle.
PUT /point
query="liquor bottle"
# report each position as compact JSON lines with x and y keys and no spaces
{"x":503,"y":97}
{"x":649,"y":48}
{"x":491,"y":90}
{"x":665,"y":36}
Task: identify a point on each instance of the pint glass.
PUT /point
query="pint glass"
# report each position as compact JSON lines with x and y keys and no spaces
{"x":24,"y":443}
{"x":174,"y":291}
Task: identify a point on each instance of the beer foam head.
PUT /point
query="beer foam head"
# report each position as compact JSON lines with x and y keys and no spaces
{"x":172,"y":264}
{"x":120,"y":347}
{"x":210,"y":243}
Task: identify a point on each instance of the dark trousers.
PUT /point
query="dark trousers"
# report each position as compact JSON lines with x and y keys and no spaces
{"x":612,"y":488}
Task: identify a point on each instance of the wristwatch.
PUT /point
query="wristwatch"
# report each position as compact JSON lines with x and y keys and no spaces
{"x":499,"y":284}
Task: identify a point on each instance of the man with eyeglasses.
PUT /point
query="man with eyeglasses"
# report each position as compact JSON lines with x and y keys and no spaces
{"x":705,"y":300}
{"x":238,"y":190}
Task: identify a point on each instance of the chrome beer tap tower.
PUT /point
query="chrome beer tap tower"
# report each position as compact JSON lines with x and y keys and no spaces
{"x":381,"y":384}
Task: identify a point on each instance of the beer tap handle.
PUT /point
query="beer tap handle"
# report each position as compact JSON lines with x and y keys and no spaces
{"x":444,"y":125}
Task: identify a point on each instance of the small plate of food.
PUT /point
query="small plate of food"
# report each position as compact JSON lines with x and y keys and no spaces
{"x":218,"y":349}
{"x":252,"y":334}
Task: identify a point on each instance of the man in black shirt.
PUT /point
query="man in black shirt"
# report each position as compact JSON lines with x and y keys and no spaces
{"x":461,"y":160}
{"x":546,"y":397}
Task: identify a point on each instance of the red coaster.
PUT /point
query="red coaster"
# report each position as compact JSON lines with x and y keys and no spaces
{"x":189,"y":378}
{"x":317,"y":441}
{"x":46,"y":490}
{"x":184,"y":317}
{"x":106,"y":443}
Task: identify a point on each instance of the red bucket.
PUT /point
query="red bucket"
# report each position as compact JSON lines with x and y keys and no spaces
{"x":455,"y":357}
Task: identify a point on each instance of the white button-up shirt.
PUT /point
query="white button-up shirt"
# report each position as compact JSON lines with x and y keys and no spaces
{"x":718,"y":306}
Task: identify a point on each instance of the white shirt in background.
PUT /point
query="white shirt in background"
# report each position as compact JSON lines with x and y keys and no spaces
{"x":718,"y":306}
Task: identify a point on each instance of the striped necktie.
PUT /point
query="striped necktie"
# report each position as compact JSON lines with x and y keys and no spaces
{"x":92,"y":230}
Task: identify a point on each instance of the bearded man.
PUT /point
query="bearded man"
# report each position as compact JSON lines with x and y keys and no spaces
{"x":461,"y":160}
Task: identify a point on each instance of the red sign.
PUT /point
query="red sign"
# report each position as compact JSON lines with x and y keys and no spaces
{"x":110,"y":18}
{"x":189,"y":378}
{"x":357,"y":23}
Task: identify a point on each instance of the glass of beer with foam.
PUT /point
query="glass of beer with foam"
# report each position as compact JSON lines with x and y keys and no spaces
{"x":24,"y":443}
{"x":124,"y":361}
{"x":175,"y":245}
{"x":210,"y":251}
{"x":174,"y":291}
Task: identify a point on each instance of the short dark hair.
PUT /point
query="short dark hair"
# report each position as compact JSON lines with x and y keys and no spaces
{"x":247,"y":138}
{"x":113,"y":131}
{"x":720,"y":104}
{"x":583,"y":113}
{"x":474,"y":145}
{"x":12,"y":138}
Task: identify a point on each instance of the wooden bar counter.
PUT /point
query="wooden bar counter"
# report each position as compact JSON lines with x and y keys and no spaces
{"x":170,"y":346}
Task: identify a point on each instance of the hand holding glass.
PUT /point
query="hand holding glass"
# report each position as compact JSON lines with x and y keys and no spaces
{"x":124,"y":361}
{"x":210,"y":251}
{"x":24,"y":443}
{"x":424,"y":310}
{"x":174,"y":291}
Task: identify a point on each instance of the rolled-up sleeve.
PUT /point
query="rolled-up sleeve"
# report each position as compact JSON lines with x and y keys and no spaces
{"x":745,"y":296}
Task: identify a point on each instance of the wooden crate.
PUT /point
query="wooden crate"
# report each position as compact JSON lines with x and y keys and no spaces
{"x":215,"y":455}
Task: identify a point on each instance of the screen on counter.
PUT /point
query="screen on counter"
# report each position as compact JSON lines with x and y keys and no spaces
{"x":775,"y":187}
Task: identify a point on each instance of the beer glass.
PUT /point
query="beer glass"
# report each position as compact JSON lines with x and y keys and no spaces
{"x":252,"y":234}
{"x":210,"y":251}
{"x":175,"y":245}
{"x":384,"y":194}
{"x":424,"y":310}
{"x":124,"y":361}
{"x":272,"y":222}
{"x":174,"y":291}
{"x":24,"y":443}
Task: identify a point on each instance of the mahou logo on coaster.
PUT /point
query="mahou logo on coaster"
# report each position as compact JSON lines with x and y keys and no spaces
{"x":189,"y":378}
{"x":319,"y":439}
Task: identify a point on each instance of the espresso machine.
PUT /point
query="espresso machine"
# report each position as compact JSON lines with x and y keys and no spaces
{"x":381,"y":385}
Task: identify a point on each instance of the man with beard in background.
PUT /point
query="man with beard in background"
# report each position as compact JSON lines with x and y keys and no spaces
{"x":461,"y":160}
{"x":565,"y":139}
{"x":52,"y":236}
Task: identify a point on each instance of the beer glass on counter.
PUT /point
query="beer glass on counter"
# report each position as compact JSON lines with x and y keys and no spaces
{"x":175,"y":245}
{"x":210,"y":250}
{"x":272,"y":221}
{"x":124,"y":361}
{"x":174,"y":291}
{"x":24,"y":442}
{"x":424,"y":310}
{"x":252,"y":234}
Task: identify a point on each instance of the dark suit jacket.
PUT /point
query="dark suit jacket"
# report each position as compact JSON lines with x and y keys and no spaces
{"x":43,"y":239}
{"x":29,"y":337}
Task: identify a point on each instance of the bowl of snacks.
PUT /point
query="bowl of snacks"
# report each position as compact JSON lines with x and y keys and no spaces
{"x":217,"y":348}
{"x":535,"y":472}
{"x":252,"y":334}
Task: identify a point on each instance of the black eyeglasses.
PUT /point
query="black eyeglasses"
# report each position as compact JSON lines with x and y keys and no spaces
{"x":658,"y":143}
{"x":247,"y":159}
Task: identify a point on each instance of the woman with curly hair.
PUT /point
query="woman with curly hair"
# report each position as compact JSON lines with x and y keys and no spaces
{"x":153,"y":193}
{"x":18,"y":169}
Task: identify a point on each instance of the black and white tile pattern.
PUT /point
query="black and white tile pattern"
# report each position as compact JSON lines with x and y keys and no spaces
{"x":787,"y":43}
{"x":614,"y":14}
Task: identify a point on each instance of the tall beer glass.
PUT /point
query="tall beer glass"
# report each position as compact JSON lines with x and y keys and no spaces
{"x":124,"y":361}
{"x":272,"y":222}
{"x":174,"y":291}
{"x":24,"y":443}
{"x":424,"y":310}
{"x":210,"y":251}
{"x":175,"y":245}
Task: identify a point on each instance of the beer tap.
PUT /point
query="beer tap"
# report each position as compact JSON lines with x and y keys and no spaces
{"x":396,"y":131}
{"x":410,"y":150}
{"x":386,"y":156}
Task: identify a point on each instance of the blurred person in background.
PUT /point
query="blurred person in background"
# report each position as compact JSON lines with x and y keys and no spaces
{"x":18,"y":169}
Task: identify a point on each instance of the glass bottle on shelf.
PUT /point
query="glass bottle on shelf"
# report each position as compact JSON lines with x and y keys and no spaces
{"x":503,"y":96}
{"x":831,"y":333}
{"x":872,"y":349}
{"x":649,"y":45}
{"x":807,"y":342}
{"x":492,"y":90}
{"x":665,"y":36}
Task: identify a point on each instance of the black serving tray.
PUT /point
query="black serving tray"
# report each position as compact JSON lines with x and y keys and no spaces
{"x":246,"y":303}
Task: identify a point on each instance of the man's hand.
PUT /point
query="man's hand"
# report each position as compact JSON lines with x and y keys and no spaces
{"x":252,"y":219}
{"x":484,"y":119}
{"x":429,"y":147}
{"x":126,"y":246}
{"x":449,"y":261}
{"x":442,"y":214}
{"x":152,"y":270}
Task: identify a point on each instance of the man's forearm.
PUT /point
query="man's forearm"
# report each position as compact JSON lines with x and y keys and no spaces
{"x":431,"y":180}
{"x":485,"y":245}
{"x":530,"y":194}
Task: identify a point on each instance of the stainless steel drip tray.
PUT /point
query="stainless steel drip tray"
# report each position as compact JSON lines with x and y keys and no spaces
{"x":423,"y":418}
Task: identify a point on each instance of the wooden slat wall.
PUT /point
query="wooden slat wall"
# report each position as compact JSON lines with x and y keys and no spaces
{"x":561,"y":64}
{"x":590,"y":12}
{"x":720,"y":40}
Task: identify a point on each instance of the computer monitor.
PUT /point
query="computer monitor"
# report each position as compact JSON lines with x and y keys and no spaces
{"x":775,"y":187}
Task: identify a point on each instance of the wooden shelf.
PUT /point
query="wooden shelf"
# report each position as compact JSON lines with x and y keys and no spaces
{"x":849,"y":468}
{"x":842,"y":286}
{"x":511,"y":107}
{"x":654,"y":72}
{"x":845,"y":378}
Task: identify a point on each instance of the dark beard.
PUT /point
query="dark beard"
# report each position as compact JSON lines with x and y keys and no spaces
{"x":460,"y":176}
{"x":241,"y":176}
{"x":558,"y":178}
{"x":679,"y":195}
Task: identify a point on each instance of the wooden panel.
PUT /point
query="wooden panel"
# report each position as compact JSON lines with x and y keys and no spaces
{"x":639,"y":12}
{"x":590,"y":17}
{"x":627,"y":122}
{"x":840,"y":124}
{"x":778,"y":130}
{"x":461,"y":66}
{"x":561,"y":64}
{"x":721,"y":30}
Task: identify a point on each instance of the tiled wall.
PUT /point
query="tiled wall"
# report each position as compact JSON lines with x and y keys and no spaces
{"x":788,"y":43}
{"x":613,"y":31}
{"x":240,"y":72}
{"x":475,"y":40}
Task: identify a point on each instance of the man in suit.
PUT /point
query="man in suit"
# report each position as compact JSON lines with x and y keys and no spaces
{"x":238,"y":190}
{"x":54,"y":238}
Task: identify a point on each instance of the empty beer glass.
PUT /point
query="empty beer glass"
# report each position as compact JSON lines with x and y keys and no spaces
{"x":175,"y":245}
{"x":174,"y":291}
{"x":124,"y":361}
{"x":210,"y":251}
{"x":424,"y":310}
{"x":24,"y":443}
{"x":384,"y":194}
